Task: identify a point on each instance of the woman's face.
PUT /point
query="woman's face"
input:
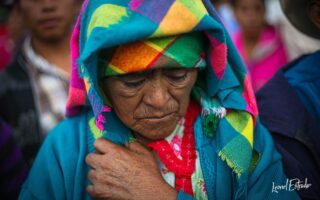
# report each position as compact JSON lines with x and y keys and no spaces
{"x":250,"y":14}
{"x":151,"y":103}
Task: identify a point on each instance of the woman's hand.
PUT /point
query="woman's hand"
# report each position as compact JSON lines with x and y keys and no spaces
{"x":125,"y":173}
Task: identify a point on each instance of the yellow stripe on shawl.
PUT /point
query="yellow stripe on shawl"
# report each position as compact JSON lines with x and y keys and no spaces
{"x":196,"y":7}
{"x":106,"y":15}
{"x":115,"y":69}
{"x":248,"y":131}
{"x":160,"y":44}
{"x":94,"y":129}
{"x":87,"y":83}
{"x":242,"y":122}
{"x":178,"y":19}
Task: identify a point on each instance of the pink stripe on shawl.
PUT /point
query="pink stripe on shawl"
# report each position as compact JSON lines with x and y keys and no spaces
{"x":101,"y":120}
{"x":77,"y":88}
{"x":218,"y":56}
{"x":134,"y":4}
{"x":249,"y":97}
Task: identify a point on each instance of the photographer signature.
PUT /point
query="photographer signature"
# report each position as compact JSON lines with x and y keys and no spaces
{"x":291,"y":185}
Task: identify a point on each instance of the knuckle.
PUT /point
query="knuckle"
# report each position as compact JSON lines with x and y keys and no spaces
{"x":88,"y":158}
{"x":98,"y":142}
{"x":104,"y":162}
{"x":98,"y":191}
{"x":91,"y":175}
{"x":101,"y":192}
{"x":101,"y":177}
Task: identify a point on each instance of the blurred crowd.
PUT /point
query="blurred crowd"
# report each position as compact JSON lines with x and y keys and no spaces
{"x":35,"y":71}
{"x":265,"y":38}
{"x":35,"y":64}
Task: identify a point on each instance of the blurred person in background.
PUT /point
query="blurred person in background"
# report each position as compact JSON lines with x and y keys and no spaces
{"x":289,"y":104}
{"x":296,"y":42}
{"x":6,"y":46}
{"x":34,"y":88}
{"x":260,"y":45}
{"x":225,"y":11}
{"x":11,"y":32}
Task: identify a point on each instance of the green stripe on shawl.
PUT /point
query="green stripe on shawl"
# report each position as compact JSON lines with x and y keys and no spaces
{"x":235,"y":153}
{"x":101,"y":19}
{"x":94,"y":129}
{"x":175,"y":51}
{"x":236,"y":140}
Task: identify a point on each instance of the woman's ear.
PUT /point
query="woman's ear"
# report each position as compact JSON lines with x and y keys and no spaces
{"x":314,"y":12}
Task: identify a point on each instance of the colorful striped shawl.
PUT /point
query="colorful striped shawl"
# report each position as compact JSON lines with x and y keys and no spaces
{"x":104,"y":24}
{"x":182,"y":51}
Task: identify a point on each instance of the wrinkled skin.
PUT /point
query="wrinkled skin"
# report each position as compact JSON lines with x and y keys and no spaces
{"x":129,"y":172}
{"x":150,"y":104}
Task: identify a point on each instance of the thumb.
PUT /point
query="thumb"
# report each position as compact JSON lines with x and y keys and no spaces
{"x":138,"y":147}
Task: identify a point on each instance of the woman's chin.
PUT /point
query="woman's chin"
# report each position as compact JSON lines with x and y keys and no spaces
{"x":155,"y":129}
{"x":150,"y":135}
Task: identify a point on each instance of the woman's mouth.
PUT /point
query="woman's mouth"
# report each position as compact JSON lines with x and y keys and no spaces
{"x":49,"y":23}
{"x":158,"y":118}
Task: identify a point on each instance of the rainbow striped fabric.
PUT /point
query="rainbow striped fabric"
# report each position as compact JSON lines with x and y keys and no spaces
{"x":133,"y":28}
{"x":185,"y":51}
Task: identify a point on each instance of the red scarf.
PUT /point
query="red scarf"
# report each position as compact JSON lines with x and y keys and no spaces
{"x":182,"y":168}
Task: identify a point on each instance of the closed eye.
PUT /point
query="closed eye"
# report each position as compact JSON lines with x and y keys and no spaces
{"x":134,"y":80}
{"x":133,"y":83}
{"x":176,"y":75}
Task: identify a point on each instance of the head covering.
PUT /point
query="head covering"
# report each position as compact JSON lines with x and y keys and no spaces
{"x":184,"y":51}
{"x":297,"y":13}
{"x":109,"y":24}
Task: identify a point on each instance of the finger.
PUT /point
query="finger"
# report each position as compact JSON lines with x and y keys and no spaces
{"x":105,"y":192}
{"x":107,"y":178}
{"x":138,"y":147}
{"x":103,"y":146}
{"x":93,"y":160}
{"x":90,"y":190}
{"x":92,"y":176}
{"x":97,"y":192}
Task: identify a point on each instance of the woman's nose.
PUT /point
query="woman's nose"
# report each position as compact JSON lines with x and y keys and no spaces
{"x":157,"y":95}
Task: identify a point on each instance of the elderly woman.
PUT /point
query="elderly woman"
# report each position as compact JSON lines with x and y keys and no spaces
{"x":160,"y":107}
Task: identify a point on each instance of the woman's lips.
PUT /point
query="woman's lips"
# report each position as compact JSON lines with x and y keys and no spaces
{"x":158,"y":119}
{"x":49,"y":23}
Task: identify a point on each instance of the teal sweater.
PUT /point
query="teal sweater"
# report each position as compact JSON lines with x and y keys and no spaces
{"x":60,"y":172}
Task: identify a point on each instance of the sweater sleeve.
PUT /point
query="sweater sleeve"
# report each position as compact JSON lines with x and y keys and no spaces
{"x":46,"y":180}
{"x":268,"y":172}
{"x":59,"y":171}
